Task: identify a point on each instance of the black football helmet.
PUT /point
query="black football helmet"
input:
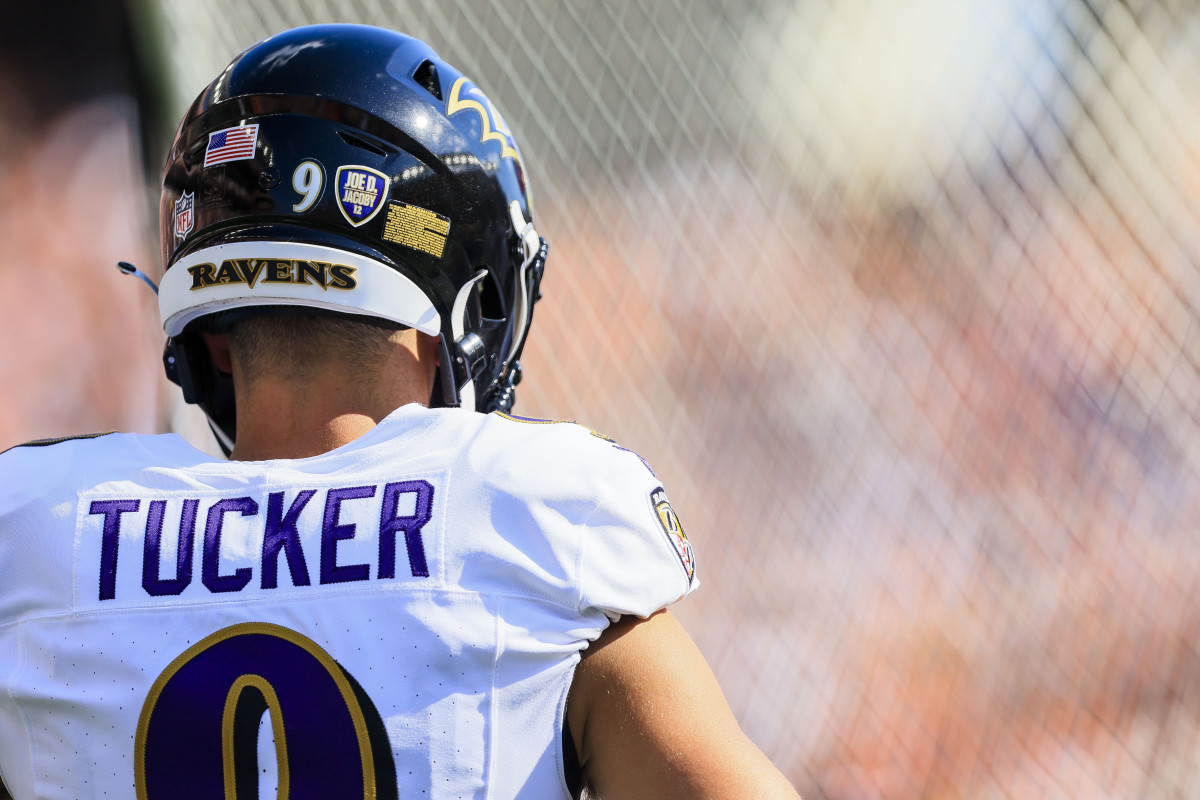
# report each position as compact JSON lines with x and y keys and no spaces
{"x":347,"y":169}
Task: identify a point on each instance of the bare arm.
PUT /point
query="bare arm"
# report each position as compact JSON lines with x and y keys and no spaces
{"x":649,"y":720}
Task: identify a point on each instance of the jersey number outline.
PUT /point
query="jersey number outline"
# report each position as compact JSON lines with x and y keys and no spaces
{"x":198,"y":730}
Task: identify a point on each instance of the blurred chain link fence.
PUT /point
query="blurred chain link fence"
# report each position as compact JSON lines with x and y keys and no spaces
{"x":901,"y":301}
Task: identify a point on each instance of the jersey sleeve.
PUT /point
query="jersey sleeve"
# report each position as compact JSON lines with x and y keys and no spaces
{"x":37,"y":510}
{"x":635,"y":556}
{"x":581,"y":521}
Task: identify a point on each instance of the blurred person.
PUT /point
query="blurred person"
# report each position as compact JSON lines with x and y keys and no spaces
{"x":71,"y":202}
{"x":394,"y":587}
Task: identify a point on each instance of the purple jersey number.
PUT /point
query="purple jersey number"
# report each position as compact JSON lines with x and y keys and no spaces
{"x":198,"y":732}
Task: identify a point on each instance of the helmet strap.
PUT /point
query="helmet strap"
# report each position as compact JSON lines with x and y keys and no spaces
{"x":461,"y":356}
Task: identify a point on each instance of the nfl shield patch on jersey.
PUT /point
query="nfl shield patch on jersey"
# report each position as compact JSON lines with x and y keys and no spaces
{"x":674,"y":530}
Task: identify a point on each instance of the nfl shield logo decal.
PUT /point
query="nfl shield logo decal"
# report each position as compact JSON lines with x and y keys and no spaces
{"x":185,"y":215}
{"x":361,"y":192}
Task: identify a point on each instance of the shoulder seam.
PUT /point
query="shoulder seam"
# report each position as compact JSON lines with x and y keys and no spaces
{"x":58,"y":440}
{"x":569,"y":422}
{"x":532,"y":420}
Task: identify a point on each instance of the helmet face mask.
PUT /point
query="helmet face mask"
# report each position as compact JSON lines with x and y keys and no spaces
{"x":348,"y":169}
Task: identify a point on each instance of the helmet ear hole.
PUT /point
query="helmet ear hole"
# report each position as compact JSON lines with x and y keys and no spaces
{"x":491,"y":300}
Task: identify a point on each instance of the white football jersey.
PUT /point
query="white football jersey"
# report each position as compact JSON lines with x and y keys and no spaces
{"x":401,"y":616}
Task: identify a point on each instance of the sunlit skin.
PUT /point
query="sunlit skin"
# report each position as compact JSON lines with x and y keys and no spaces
{"x":283,"y":415}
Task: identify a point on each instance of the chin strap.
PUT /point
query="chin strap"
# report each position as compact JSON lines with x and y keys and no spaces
{"x":531,"y":246}
{"x":504,"y":396}
{"x":178,"y":374}
{"x":529,"y":278}
{"x":468,"y":354}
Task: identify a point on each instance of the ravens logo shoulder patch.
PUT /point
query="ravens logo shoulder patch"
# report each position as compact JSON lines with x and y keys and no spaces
{"x":672,"y":527}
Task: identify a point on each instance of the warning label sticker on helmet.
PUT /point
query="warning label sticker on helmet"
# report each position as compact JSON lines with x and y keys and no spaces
{"x":416,"y":227}
{"x":361,"y":191}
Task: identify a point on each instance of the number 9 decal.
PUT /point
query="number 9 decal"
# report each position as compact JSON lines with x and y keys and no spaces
{"x":308,"y":180}
{"x":197,"y":736}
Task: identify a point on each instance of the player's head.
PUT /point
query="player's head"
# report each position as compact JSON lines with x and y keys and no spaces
{"x":346,"y":169}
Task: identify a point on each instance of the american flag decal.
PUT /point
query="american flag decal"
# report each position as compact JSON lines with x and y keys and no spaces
{"x":231,"y":144}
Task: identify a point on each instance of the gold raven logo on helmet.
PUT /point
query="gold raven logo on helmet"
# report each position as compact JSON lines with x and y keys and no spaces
{"x":467,"y":96}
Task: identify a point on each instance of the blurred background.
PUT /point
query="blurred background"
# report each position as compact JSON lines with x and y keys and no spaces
{"x":900,"y":299}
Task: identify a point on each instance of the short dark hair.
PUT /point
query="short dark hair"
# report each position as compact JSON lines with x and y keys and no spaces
{"x":294,"y":345}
